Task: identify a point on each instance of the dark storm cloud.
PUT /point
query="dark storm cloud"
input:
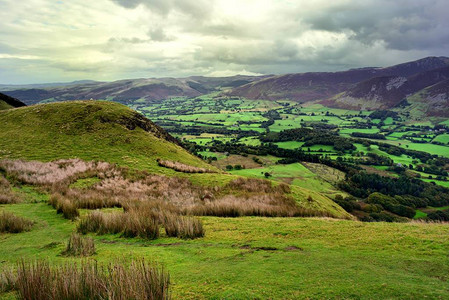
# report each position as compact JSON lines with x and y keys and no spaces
{"x":402,"y":25}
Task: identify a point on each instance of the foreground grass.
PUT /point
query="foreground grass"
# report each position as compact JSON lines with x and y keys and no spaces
{"x":254,"y":257}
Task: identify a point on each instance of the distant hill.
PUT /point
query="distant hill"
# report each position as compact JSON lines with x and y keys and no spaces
{"x":364,"y":88}
{"x":389,"y":91}
{"x":7,"y":102}
{"x":304,"y":87}
{"x":126,"y":91}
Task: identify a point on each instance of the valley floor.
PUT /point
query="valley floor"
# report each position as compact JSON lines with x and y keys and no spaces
{"x":260,"y":258}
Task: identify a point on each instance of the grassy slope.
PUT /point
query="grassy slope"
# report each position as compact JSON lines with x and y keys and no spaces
{"x":75,"y":129}
{"x":4,"y":105}
{"x":315,"y":258}
{"x":78,"y":129}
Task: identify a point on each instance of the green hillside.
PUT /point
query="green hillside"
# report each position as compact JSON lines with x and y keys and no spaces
{"x":4,"y":105}
{"x":88,"y":130}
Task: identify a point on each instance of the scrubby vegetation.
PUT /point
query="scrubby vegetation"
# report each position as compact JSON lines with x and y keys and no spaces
{"x":13,"y":224}
{"x":88,"y":280}
{"x":6,"y":194}
{"x":79,"y":246}
{"x":180,"y":167}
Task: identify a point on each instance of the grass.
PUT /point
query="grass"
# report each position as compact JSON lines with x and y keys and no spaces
{"x":312,"y":258}
{"x":79,"y":246}
{"x":88,"y":280}
{"x":11,"y":223}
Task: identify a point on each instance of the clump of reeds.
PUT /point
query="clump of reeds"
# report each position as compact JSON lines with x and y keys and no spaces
{"x":64,"y":206}
{"x":117,"y":281}
{"x":14,"y":224}
{"x":6,"y":194}
{"x":130,"y":224}
{"x":79,"y":246}
{"x":183,"y":227}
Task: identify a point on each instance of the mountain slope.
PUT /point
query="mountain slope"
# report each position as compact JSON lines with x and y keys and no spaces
{"x":388,"y":91}
{"x":127,"y":91}
{"x":7,"y":102}
{"x":324,"y":85}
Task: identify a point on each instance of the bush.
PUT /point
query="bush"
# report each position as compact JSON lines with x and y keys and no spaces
{"x":13,"y":224}
{"x":79,"y":246}
{"x":183,"y":227}
{"x":439,"y":215}
{"x":89,"y":280}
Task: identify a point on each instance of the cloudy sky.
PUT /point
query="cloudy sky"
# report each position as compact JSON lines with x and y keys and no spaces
{"x":54,"y":41}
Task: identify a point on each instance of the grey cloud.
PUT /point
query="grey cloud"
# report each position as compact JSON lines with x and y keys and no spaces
{"x":402,"y":25}
{"x":159,"y":35}
{"x":196,"y":8}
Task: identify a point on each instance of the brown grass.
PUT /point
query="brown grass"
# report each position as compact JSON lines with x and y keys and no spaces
{"x":14,"y":224}
{"x":180,"y":167}
{"x":64,"y":206}
{"x":183,"y":227}
{"x":89,"y":280}
{"x":120,"y":187}
{"x":79,"y":246}
{"x":130,"y":224}
{"x":7,"y":196}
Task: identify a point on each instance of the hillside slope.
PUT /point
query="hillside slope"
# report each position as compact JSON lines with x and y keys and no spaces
{"x":7,"y":102}
{"x":126,"y":91}
{"x":305,"y":87}
{"x":389,"y":91}
{"x":112,"y":132}
{"x":88,"y":130}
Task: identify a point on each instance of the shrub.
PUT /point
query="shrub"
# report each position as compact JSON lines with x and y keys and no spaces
{"x":13,"y":224}
{"x":79,"y":246}
{"x":439,"y":215}
{"x":183,"y":227}
{"x":89,"y":280}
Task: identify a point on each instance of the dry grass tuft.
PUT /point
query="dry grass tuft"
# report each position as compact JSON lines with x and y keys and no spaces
{"x":183,"y":227}
{"x":64,"y":206}
{"x":89,"y":280}
{"x":79,"y":246}
{"x":180,"y":167}
{"x":6,"y":194}
{"x":14,"y":224}
{"x":130,"y":224}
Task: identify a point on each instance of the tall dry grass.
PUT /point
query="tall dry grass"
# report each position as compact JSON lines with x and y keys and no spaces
{"x":7,"y":196}
{"x":129,"y":224}
{"x":14,"y":224}
{"x":182,"y":227}
{"x":118,"y":188}
{"x":117,"y":281}
{"x":64,"y":206}
{"x":180,"y":167}
{"x":79,"y":246}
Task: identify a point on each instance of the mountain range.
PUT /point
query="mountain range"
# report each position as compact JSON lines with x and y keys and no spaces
{"x":419,"y":84}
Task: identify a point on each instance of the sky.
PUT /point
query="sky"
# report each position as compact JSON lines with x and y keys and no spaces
{"x":59,"y":41}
